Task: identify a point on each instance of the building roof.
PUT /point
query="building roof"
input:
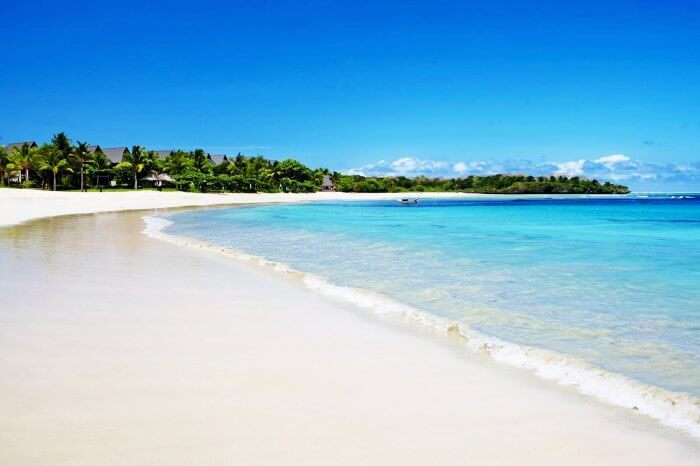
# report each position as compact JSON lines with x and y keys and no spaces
{"x":163,"y":153}
{"x":327,"y":181}
{"x":216,"y":158}
{"x":12,"y":145}
{"x":153,"y":176}
{"x":114,"y":154}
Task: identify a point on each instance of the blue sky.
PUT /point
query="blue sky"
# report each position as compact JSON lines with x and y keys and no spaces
{"x":429,"y":87}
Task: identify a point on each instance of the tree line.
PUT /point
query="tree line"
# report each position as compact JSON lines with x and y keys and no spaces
{"x":489,"y":184}
{"x":62,"y":164}
{"x":65,"y":165}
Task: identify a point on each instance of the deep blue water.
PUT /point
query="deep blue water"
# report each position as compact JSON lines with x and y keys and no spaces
{"x":615,"y":282}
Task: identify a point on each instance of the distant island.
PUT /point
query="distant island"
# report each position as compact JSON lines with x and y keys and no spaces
{"x":61,"y":164}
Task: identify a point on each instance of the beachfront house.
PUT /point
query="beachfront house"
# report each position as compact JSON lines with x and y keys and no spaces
{"x":327,"y":184}
{"x":158,"y":180}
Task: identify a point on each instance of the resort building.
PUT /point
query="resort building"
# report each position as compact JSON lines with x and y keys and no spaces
{"x":114,"y":154}
{"x":158,"y":180}
{"x":217,"y":159}
{"x":327,"y":184}
{"x":10,"y":147}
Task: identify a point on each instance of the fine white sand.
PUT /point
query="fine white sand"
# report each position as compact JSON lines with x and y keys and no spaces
{"x":119,"y":349}
{"x":20,"y":205}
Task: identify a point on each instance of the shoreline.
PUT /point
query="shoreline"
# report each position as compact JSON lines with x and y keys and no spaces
{"x":255,"y":356}
{"x":22,"y":205}
{"x":672,"y":409}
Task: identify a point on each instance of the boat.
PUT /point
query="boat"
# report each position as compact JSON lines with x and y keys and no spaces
{"x":408,"y":201}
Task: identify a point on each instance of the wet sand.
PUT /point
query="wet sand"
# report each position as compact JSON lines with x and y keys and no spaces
{"x":119,"y":349}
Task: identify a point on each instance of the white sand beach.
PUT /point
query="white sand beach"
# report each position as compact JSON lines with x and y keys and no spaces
{"x":140,"y":352}
{"x":20,"y":205}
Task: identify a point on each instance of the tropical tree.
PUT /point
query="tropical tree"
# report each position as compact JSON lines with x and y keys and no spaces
{"x":135,"y":162}
{"x":100,"y":165}
{"x":289,"y":172}
{"x":82,"y":156}
{"x":156,"y":165}
{"x":201,"y":161}
{"x":21,"y":159}
{"x":222,"y":168}
{"x":61,"y":142}
{"x":53,"y":160}
{"x":100,"y":160}
{"x":4,"y":161}
{"x":178,"y":163}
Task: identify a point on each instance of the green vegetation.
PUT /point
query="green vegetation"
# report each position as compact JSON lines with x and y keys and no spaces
{"x":53,"y":161}
{"x":63,"y":165}
{"x":493,"y":184}
{"x":134,"y":162}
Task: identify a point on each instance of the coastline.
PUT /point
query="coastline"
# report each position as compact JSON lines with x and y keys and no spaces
{"x":673,"y":409}
{"x":22,"y":205}
{"x":317,"y":383}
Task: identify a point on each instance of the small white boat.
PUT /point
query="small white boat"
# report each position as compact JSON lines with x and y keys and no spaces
{"x":408,"y":201}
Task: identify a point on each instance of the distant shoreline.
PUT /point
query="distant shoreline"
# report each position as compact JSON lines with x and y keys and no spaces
{"x":22,"y":205}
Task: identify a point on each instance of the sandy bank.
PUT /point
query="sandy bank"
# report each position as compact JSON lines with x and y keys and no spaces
{"x":136,"y":351}
{"x":21,"y":205}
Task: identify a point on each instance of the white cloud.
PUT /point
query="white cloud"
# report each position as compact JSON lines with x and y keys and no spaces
{"x":409,"y":165}
{"x":614,"y":159}
{"x":573,"y":168}
{"x":404,"y":166}
{"x":460,"y":167}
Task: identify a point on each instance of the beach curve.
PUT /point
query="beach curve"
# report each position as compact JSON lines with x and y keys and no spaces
{"x":249,"y":360}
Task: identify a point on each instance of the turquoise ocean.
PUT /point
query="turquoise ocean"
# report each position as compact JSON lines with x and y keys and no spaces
{"x":601,"y":293}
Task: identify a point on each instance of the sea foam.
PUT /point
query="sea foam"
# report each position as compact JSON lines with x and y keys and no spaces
{"x":673,"y":409}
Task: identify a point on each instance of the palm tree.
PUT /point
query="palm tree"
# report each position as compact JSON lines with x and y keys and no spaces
{"x":100,"y":165}
{"x":82,"y":156}
{"x":201,"y":161}
{"x":54,"y":161}
{"x":4,"y":161}
{"x":135,"y":162}
{"x":158,"y":170}
{"x":61,"y":142}
{"x":178,"y":163}
{"x":21,"y":159}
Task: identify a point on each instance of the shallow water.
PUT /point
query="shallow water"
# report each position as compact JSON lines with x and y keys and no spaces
{"x":613,"y":282}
